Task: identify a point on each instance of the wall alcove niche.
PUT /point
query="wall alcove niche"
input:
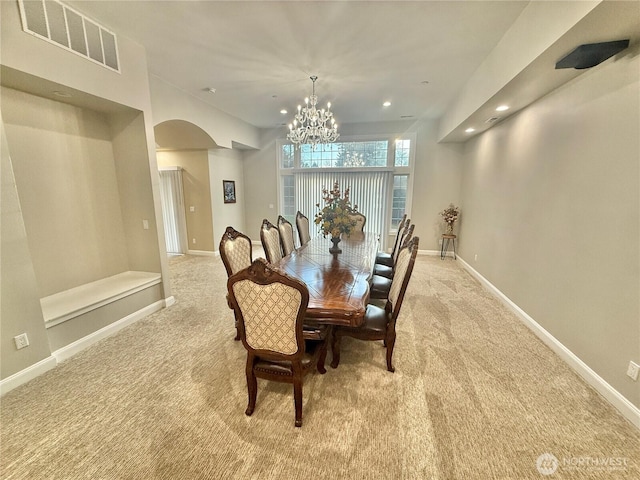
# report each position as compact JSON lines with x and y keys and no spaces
{"x":84,"y":184}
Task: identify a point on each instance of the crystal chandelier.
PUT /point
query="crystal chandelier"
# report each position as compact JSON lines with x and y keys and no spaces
{"x":311,"y":125}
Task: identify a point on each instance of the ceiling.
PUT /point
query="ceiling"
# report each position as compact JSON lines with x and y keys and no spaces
{"x":258,"y":56}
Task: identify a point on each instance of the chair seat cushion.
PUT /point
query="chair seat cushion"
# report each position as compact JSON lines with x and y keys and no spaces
{"x":380,"y":287}
{"x":384,"y":258}
{"x":375,"y":319}
{"x":383,"y":271}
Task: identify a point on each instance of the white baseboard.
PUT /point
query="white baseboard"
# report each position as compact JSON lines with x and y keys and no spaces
{"x":37,"y":369}
{"x":203,"y":253}
{"x":27,"y":374}
{"x":628,"y":409}
{"x":70,"y":350}
{"x":434,"y":253}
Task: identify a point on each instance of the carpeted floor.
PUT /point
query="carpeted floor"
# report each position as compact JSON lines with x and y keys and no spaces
{"x":475,"y":395}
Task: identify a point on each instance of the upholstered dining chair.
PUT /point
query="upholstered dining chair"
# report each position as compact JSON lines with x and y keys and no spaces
{"x":380,"y":323}
{"x":271,"y":307}
{"x":387,"y":270}
{"x":286,"y":235}
{"x":236,"y":253}
{"x":386,"y":258}
{"x":380,"y":284}
{"x":270,"y":239}
{"x":360,"y":220}
{"x":302,"y":224}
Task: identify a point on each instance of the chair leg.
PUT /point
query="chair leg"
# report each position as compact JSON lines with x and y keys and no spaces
{"x":252,"y":386}
{"x":335,"y":348}
{"x":390,"y":342}
{"x":297,"y":398}
{"x":237,"y":338}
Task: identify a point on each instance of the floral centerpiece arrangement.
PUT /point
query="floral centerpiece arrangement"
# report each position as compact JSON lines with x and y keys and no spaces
{"x":334,"y":217}
{"x":450,"y":215}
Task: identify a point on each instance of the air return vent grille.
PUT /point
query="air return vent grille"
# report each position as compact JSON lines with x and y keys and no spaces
{"x":59,"y":24}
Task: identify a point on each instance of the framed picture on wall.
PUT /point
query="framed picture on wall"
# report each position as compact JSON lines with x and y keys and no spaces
{"x":229,"y":190}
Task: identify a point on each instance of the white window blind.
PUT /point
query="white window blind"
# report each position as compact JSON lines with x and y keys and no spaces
{"x":368,"y":190}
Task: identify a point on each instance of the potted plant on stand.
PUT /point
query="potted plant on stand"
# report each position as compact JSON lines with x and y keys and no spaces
{"x":450,"y":215}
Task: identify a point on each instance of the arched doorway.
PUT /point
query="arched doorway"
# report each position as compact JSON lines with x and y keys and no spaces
{"x":185,"y":190}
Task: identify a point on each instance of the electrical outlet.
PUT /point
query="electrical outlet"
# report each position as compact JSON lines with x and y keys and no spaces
{"x":632,"y":371}
{"x":21,"y":340}
{"x":476,"y":257}
{"x":193,"y":240}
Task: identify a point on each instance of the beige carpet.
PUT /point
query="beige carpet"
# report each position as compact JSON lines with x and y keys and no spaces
{"x":475,"y":396}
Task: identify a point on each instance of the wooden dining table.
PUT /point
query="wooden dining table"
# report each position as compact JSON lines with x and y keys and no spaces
{"x":338,"y":283}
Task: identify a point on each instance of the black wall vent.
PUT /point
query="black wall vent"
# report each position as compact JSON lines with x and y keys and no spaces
{"x":591,"y":54}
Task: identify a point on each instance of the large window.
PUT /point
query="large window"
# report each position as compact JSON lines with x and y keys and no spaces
{"x":378,"y":172}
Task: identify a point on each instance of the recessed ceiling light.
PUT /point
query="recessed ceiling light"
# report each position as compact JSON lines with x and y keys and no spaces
{"x":386,"y":104}
{"x":283,"y":111}
{"x":502,"y":108}
{"x":470,"y":130}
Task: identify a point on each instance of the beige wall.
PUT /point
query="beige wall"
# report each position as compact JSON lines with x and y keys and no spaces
{"x":551,"y":208}
{"x":197,"y":193}
{"x":20,"y":310}
{"x":138,"y":188}
{"x":227,"y":165}
{"x":65,"y":173}
{"x":169,"y":103}
{"x":260,"y":184}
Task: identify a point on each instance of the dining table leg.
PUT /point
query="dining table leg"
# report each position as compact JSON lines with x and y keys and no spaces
{"x":323,"y":351}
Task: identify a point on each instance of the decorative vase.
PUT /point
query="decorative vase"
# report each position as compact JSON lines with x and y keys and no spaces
{"x":449,"y":228}
{"x":335,"y":248}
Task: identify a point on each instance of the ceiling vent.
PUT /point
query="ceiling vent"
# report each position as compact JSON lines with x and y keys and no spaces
{"x":59,"y":24}
{"x":591,"y":54}
{"x":492,"y":119}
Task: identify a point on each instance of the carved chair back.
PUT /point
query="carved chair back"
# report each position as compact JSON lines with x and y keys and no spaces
{"x":403,"y":270}
{"x":286,"y":235}
{"x":302,"y":224}
{"x":235,"y":251}
{"x":271,"y":308}
{"x":401,"y":225}
{"x":270,"y":238}
{"x":360,"y":220}
{"x":406,"y":235}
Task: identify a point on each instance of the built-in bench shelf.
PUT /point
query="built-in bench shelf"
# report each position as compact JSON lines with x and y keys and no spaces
{"x":63,"y":306}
